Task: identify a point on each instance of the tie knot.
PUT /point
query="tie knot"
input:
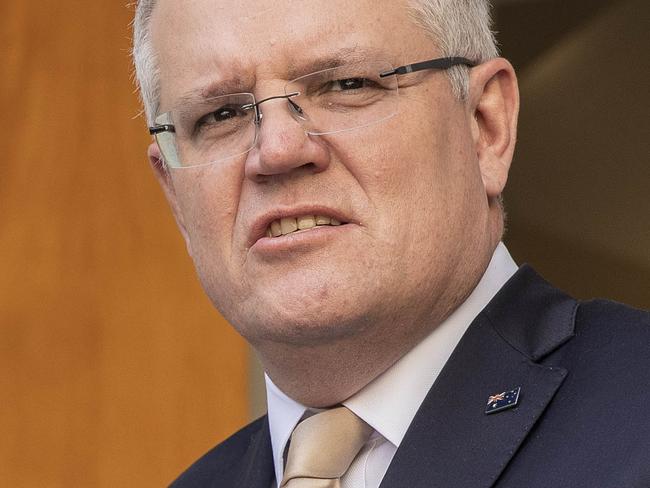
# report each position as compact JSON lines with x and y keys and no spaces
{"x":323,"y":446}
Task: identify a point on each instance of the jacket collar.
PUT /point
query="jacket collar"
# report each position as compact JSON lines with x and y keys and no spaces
{"x":452,"y":442}
{"x":255,"y":469}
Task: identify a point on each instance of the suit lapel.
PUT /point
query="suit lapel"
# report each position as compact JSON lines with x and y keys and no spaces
{"x":451,"y":441}
{"x":256,"y":466}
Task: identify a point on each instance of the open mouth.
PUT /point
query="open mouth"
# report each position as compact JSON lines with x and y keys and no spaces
{"x":289,"y":225}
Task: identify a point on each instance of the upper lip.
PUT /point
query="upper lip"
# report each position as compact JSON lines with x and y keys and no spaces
{"x":262,"y":222}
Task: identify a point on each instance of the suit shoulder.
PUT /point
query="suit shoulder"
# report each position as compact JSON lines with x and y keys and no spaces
{"x":219,"y":461}
{"x":614,"y":316}
{"x":619,"y":333}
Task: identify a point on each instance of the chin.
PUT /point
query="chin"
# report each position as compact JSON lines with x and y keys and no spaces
{"x":298,"y":305}
{"x":300,"y":321}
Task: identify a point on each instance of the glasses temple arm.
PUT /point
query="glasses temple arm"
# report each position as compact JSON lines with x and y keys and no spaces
{"x":157,"y":129}
{"x":441,"y":63}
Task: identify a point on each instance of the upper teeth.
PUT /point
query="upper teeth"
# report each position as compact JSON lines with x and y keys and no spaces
{"x":288,"y":225}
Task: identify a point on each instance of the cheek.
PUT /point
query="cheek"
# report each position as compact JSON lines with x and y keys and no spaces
{"x":420,"y":176}
{"x":208,"y":208}
{"x":404,"y":165}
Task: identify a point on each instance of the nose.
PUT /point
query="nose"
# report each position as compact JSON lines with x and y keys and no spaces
{"x":283,"y":146}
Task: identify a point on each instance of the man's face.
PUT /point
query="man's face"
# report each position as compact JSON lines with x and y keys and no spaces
{"x":407,"y":190}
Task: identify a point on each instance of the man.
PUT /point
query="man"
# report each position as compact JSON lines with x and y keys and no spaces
{"x":336,"y":169}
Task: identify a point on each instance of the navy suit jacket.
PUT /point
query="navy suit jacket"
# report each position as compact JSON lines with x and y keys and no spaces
{"x":582,"y":420}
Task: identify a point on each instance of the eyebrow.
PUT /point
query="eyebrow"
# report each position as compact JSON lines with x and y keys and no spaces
{"x":332,"y":60}
{"x":240,"y":85}
{"x":214,"y":89}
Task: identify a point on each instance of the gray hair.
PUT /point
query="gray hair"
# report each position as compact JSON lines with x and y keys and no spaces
{"x":145,"y":61}
{"x":458,"y":27}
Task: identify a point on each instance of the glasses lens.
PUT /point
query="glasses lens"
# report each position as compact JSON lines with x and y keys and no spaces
{"x":344,"y":98}
{"x":208,"y":131}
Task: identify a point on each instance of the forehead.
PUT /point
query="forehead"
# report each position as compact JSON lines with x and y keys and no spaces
{"x":199,"y":42}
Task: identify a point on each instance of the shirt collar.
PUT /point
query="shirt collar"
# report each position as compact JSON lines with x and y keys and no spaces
{"x":284,"y":414}
{"x":389,"y":403}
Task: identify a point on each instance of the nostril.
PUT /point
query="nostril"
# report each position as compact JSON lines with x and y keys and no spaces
{"x":307,"y":168}
{"x":310,"y":167}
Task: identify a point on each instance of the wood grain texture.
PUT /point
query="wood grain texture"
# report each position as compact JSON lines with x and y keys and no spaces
{"x":114,"y":368}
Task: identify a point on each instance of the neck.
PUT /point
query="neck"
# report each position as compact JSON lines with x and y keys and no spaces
{"x":327,"y":374}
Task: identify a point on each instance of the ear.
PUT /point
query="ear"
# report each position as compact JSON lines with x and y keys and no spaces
{"x":494,"y":102}
{"x":165,"y":180}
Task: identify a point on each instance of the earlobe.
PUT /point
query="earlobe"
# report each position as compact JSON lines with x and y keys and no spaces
{"x":494,"y":101}
{"x":165,"y":180}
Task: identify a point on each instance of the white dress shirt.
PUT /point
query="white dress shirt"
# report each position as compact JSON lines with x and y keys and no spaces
{"x":389,"y":403}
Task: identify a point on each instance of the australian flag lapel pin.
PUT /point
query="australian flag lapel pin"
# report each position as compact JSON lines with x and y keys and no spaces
{"x":502,"y":401}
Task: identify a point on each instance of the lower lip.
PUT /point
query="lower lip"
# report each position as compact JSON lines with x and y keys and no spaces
{"x":302,"y":240}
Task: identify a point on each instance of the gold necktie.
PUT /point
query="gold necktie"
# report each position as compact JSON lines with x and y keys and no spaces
{"x":323,"y":447}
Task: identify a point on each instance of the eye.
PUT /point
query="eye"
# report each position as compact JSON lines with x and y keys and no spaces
{"x":348,"y":84}
{"x":224,"y":113}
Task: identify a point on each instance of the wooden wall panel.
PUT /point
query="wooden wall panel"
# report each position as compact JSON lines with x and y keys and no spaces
{"x":114,"y":368}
